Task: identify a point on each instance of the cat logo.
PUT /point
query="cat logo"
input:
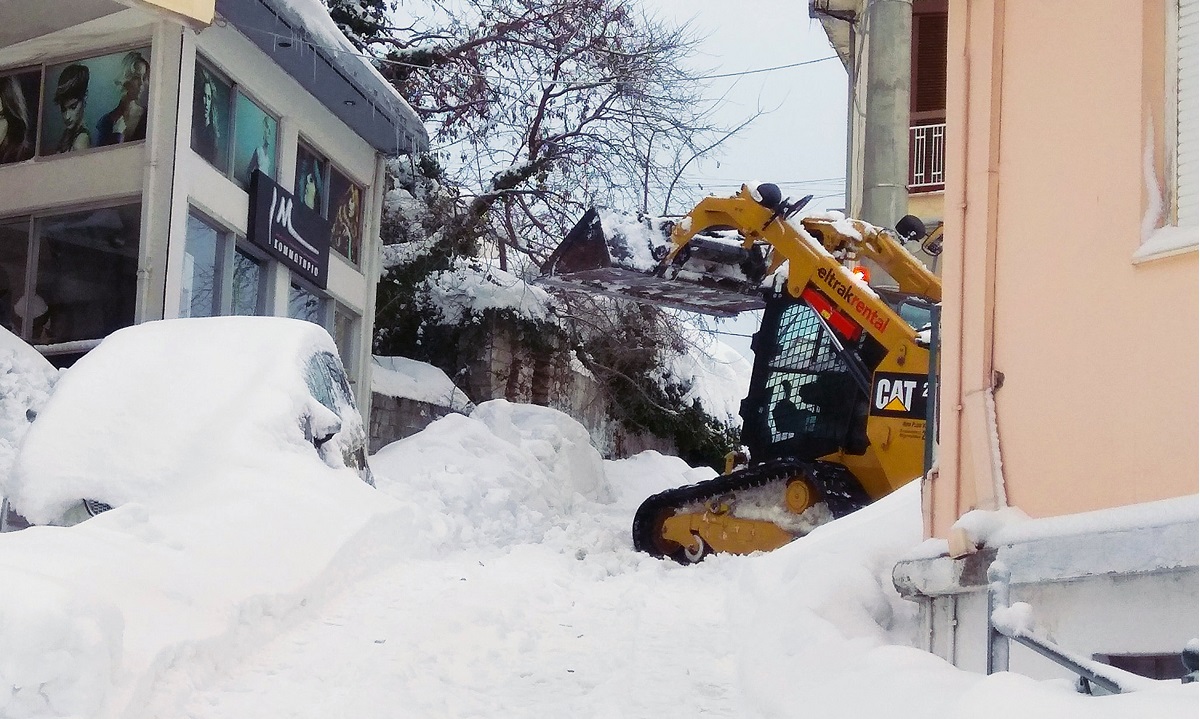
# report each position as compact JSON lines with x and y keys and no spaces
{"x":899,"y":395}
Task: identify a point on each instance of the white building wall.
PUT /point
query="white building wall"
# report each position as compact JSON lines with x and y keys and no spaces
{"x":170,"y":178}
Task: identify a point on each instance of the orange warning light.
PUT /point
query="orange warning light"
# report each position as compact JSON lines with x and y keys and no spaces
{"x":862,"y":273}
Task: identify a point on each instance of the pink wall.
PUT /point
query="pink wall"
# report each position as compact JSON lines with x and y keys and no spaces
{"x":1050,"y":108}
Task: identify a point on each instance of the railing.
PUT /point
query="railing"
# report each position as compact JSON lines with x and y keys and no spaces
{"x":927,"y":157}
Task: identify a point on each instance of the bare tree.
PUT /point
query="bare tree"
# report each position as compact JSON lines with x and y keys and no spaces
{"x":538,"y":110}
{"x":541,"y":108}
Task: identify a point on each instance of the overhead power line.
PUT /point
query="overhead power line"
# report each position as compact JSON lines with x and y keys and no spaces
{"x":765,"y":69}
{"x":307,"y":39}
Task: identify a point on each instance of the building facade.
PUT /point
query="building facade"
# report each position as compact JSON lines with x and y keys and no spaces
{"x":1068,"y":398}
{"x":183,"y":161}
{"x":896,"y":118}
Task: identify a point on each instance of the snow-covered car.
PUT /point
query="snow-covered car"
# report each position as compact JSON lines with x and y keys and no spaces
{"x":26,"y":379}
{"x":170,"y":403}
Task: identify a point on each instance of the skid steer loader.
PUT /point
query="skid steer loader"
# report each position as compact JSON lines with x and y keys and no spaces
{"x":835,"y":415}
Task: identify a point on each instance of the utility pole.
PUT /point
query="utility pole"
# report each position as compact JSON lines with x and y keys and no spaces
{"x":885,"y":135}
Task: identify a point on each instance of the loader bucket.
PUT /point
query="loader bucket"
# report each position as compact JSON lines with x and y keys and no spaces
{"x":617,"y":255}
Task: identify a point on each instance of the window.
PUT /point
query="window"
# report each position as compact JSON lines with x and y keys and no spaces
{"x":14,"y":268}
{"x":1169,"y":224}
{"x":199,"y":295}
{"x":255,"y":142}
{"x":249,"y":285}
{"x":220,"y":276}
{"x":928,"y":96}
{"x":210,"y":117}
{"x":95,"y":102}
{"x":345,"y":209}
{"x":77,"y":105}
{"x":69,"y":277}
{"x":329,"y":192}
{"x":1152,"y":666}
{"x":304,"y":304}
{"x":345,"y":322}
{"x":927,"y":99}
{"x":312,"y":171}
{"x":230,"y":130}
{"x":1187,"y":108}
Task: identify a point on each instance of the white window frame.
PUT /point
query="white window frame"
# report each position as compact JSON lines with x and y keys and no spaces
{"x":1179,"y":232}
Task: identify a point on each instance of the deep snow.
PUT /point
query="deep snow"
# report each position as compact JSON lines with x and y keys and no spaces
{"x":490,"y":574}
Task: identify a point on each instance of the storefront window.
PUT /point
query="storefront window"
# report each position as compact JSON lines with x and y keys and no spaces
{"x":95,"y":102}
{"x":86,"y":274}
{"x":306,"y":305}
{"x":210,"y":117}
{"x":254,"y":141}
{"x":346,"y":215}
{"x":199,"y":293}
{"x":248,"y":285}
{"x":344,"y":322}
{"x":14,"y":262}
{"x":220,"y":276}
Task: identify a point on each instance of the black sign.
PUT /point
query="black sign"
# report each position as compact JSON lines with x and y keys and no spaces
{"x":287,"y":229}
{"x":899,"y":395}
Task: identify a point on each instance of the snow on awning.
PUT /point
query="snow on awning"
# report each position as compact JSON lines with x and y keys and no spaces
{"x":302,"y":39}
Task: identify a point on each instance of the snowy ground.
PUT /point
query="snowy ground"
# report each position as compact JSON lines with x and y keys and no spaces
{"x":490,"y":574}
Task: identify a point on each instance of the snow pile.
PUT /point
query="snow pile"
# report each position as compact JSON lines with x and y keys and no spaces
{"x":502,"y":476}
{"x":228,"y":523}
{"x":26,"y":379}
{"x":471,"y":286}
{"x":823,"y":609}
{"x":980,"y":524}
{"x":420,"y":381}
{"x":94,"y":616}
{"x":632,"y":239}
{"x":498,"y":579}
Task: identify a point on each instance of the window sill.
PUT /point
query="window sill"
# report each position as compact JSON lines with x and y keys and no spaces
{"x":1167,"y":242}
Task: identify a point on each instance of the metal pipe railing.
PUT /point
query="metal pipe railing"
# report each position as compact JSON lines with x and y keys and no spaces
{"x":927,"y":144}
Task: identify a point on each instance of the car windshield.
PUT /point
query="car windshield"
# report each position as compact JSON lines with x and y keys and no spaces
{"x":327,"y":382}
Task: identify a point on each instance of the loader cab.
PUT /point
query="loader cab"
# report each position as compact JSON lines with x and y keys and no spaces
{"x":804,"y":400}
{"x":913,"y":309}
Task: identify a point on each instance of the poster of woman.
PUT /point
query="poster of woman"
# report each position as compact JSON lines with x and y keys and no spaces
{"x":254,"y":141}
{"x":127,"y":121}
{"x":310,"y":180}
{"x":18,"y":115}
{"x":210,"y":117}
{"x":96,"y":101}
{"x":346,"y":214}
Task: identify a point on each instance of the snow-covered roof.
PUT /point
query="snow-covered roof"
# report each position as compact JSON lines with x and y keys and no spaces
{"x":301,"y":38}
{"x":420,"y":381}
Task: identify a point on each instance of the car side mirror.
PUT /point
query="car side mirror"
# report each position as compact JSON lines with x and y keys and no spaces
{"x":321,"y":424}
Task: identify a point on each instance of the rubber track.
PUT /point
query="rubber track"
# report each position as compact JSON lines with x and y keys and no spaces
{"x":838,"y":488}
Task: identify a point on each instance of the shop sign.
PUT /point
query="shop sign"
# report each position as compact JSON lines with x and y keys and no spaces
{"x":288,"y":230}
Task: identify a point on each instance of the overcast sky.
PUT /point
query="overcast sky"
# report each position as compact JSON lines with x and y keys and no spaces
{"x":801,"y":143}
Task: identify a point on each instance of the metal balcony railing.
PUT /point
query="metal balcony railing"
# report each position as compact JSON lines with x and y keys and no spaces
{"x":927,"y":155}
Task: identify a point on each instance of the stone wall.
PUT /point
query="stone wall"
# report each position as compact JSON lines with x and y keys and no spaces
{"x":501,"y":368}
{"x":394,"y":418}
